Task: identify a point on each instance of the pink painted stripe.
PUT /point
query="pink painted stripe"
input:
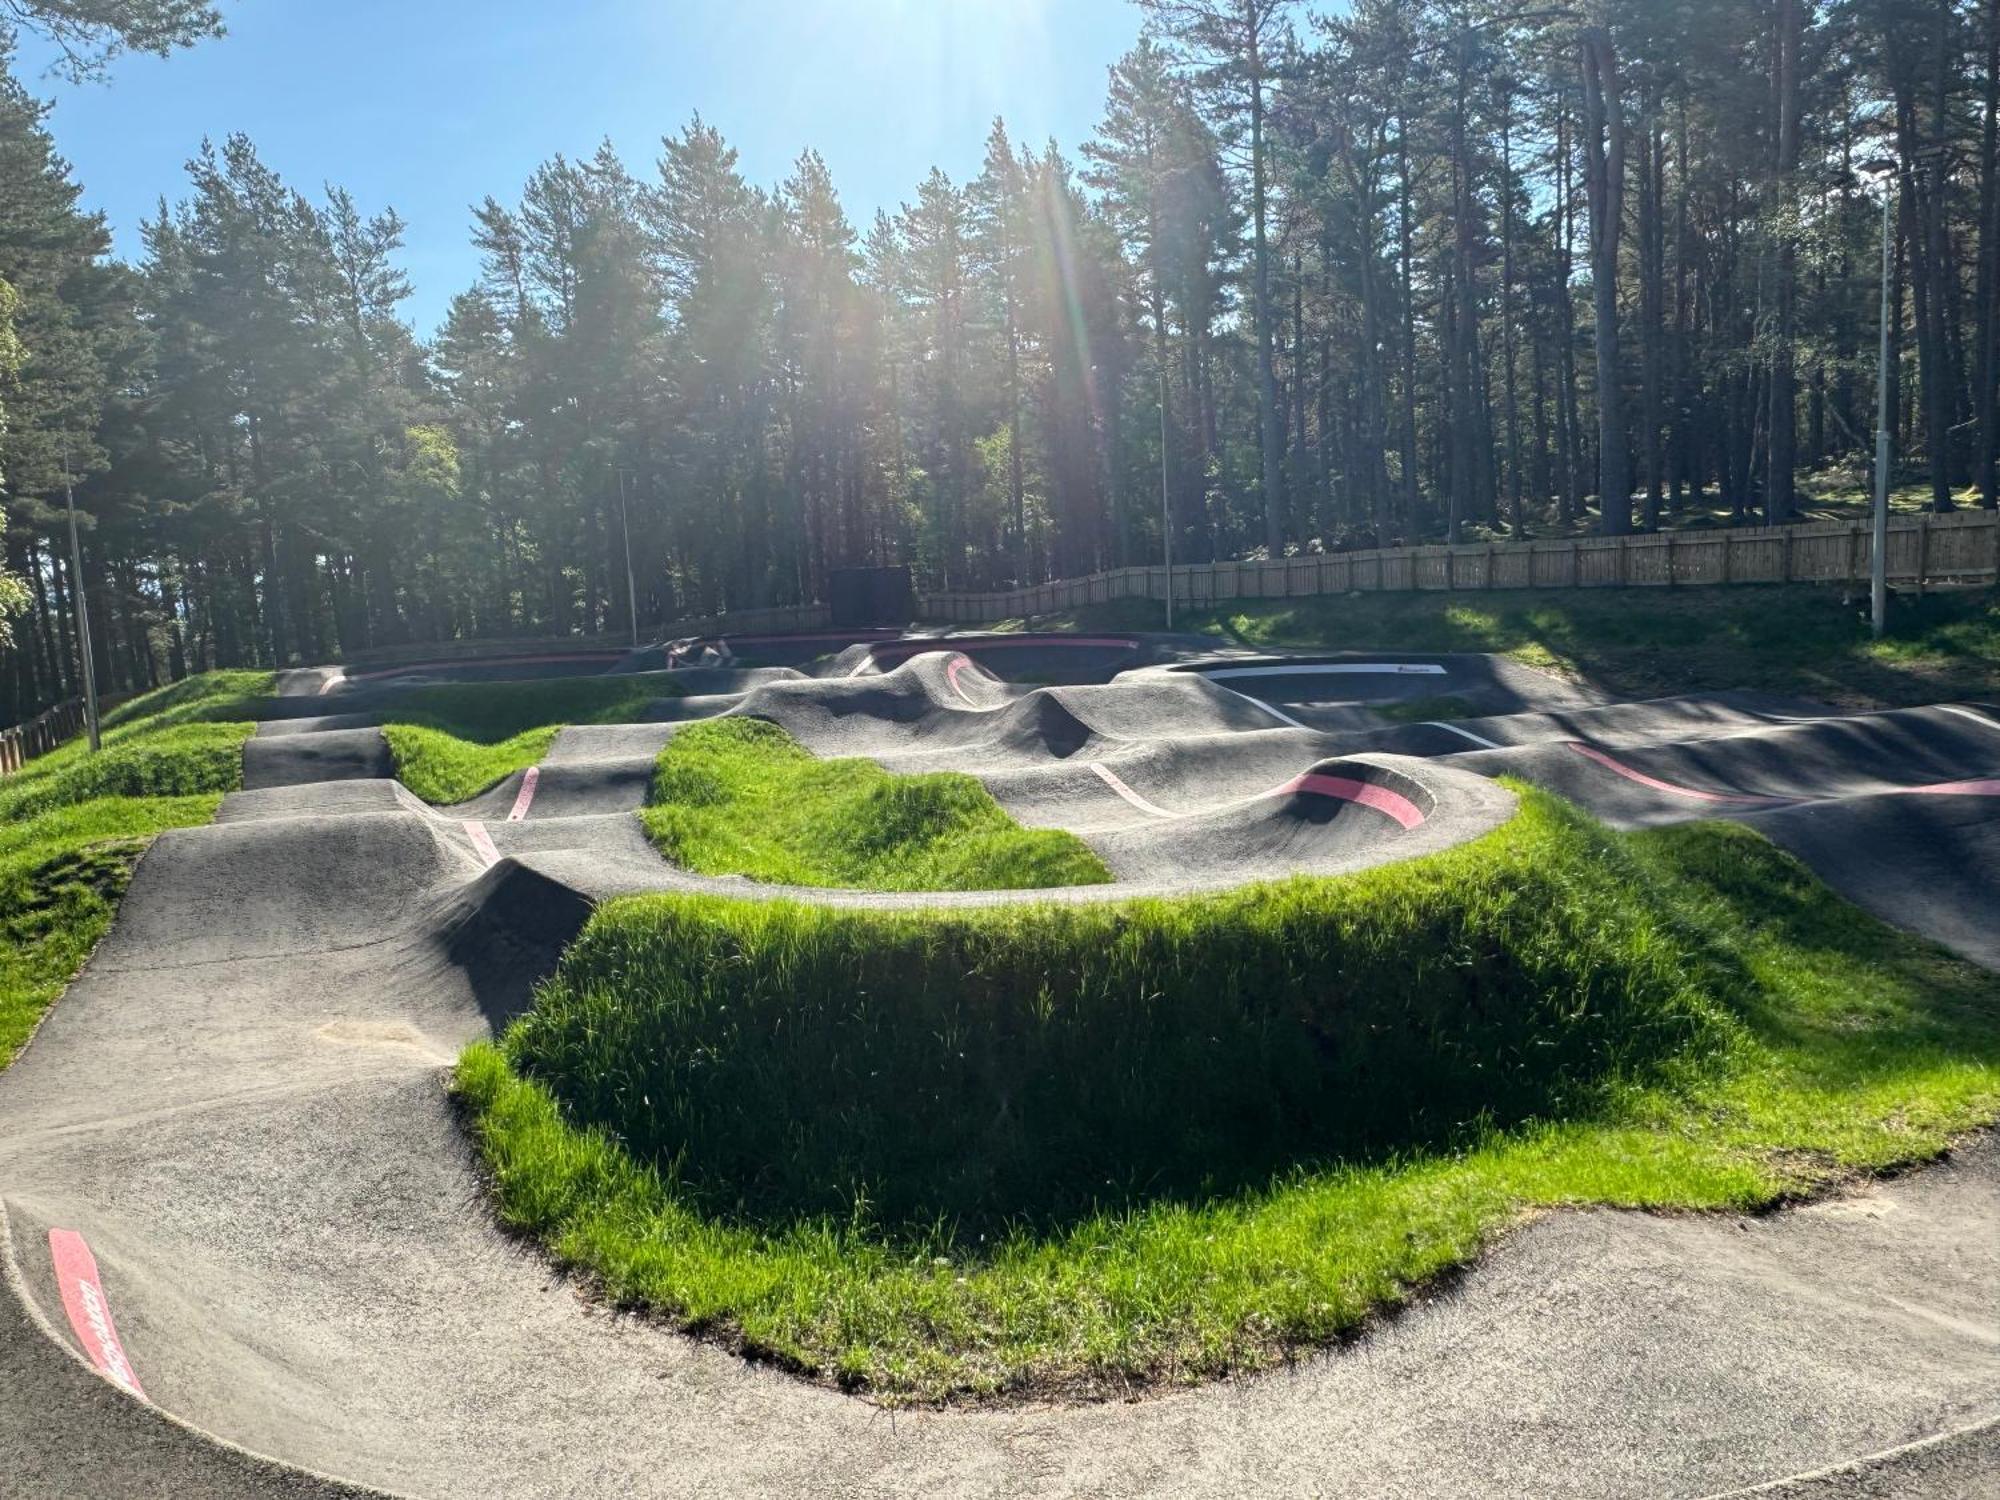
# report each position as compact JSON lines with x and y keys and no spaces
{"x":1000,"y":643}
{"x":1987,"y":786}
{"x":1395,"y":804}
{"x":951,"y":670}
{"x":90,"y":1311}
{"x":1111,"y":779}
{"x":1591,"y":752}
{"x":482,"y":841}
{"x":526,"y":797}
{"x":333,"y":680}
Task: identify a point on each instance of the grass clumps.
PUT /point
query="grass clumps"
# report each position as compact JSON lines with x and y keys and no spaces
{"x":1809,"y":640}
{"x":452,"y":741}
{"x":73,"y":824}
{"x":61,"y":874}
{"x":443,"y":769}
{"x":1040,"y":1151}
{"x":739,"y":796}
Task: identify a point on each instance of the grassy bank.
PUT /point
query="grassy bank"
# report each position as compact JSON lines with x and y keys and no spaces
{"x":1642,"y":643}
{"x":73,"y":824}
{"x":741,"y":797}
{"x":452,"y":741}
{"x":1052,"y":1151}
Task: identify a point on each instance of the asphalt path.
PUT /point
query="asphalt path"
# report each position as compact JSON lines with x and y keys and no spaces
{"x":289,"y":1283}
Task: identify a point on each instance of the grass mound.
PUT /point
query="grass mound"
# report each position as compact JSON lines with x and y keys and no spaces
{"x":1052,"y":1151}
{"x":73,"y":824}
{"x":443,"y":769}
{"x":178,"y":761}
{"x":452,"y":741}
{"x":739,"y":796}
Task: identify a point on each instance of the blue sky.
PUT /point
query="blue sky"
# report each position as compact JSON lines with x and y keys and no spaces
{"x":428,"y":105}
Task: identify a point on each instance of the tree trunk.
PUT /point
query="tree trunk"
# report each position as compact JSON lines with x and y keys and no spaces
{"x":1604,"y":177}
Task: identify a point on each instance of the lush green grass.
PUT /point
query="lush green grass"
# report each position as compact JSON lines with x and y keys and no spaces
{"x":452,"y":741}
{"x":1044,"y":1149}
{"x":742,"y":797}
{"x":177,"y":761}
{"x":73,"y":824}
{"x":443,"y":769}
{"x":61,"y":874}
{"x":1641,"y":643}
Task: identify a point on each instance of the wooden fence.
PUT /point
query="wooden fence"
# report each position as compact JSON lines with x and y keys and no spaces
{"x":786,"y":617}
{"x":39,"y":735}
{"x":1924,"y":551}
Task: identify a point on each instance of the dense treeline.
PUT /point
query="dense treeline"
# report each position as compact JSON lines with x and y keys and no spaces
{"x":1417,"y":269}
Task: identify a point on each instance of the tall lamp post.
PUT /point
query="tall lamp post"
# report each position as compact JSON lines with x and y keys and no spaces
{"x":631,"y":589}
{"x":1884,"y":168}
{"x":1166,"y":506}
{"x":82,"y":613}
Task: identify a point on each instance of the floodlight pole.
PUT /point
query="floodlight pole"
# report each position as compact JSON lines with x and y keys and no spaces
{"x":1878,"y":562}
{"x":1166,"y":506}
{"x":82,"y":613}
{"x":631,"y":590}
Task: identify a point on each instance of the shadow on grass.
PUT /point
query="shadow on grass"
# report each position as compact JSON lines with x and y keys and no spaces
{"x":1807,"y":640}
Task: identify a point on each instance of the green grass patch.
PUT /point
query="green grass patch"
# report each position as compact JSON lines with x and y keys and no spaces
{"x":61,"y":874}
{"x":183,"y":759}
{"x":1641,"y":643}
{"x":490,"y":712}
{"x":452,"y":741}
{"x":739,"y":796}
{"x":443,"y":769}
{"x":1059,"y":1151}
{"x":73,"y":824}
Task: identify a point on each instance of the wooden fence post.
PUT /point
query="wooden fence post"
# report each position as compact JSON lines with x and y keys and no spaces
{"x":1923,"y":550}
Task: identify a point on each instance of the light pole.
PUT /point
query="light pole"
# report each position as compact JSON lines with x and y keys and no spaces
{"x":82,"y":612}
{"x":1878,"y":558}
{"x":631,"y":591}
{"x":1166,"y":505}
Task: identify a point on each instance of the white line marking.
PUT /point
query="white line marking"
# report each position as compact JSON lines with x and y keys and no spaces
{"x":1110,"y":779}
{"x":1972,"y":714}
{"x":1259,"y":702}
{"x":1334,"y":669}
{"x":482,"y":842}
{"x":1477,"y":739}
{"x":333,"y":680}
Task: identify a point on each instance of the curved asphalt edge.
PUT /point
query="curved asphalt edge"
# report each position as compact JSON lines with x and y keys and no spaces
{"x":109,"y":1442}
{"x":1944,"y":1466}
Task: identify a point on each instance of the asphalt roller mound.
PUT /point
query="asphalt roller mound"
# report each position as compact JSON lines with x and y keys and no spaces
{"x":238,"y":1105}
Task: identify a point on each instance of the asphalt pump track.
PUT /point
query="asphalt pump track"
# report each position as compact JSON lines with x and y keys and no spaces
{"x":246,"y":1251}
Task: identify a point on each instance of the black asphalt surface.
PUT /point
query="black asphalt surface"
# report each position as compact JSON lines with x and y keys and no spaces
{"x":239,"y":1105}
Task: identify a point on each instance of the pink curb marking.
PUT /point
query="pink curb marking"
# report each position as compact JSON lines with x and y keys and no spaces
{"x":482,"y":842}
{"x":89,"y":1311}
{"x":1342,"y":788}
{"x":1591,"y":752}
{"x":1988,"y":786}
{"x":526,"y":797}
{"x":1111,"y":779}
{"x":1395,"y":804}
{"x":952,"y":668}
